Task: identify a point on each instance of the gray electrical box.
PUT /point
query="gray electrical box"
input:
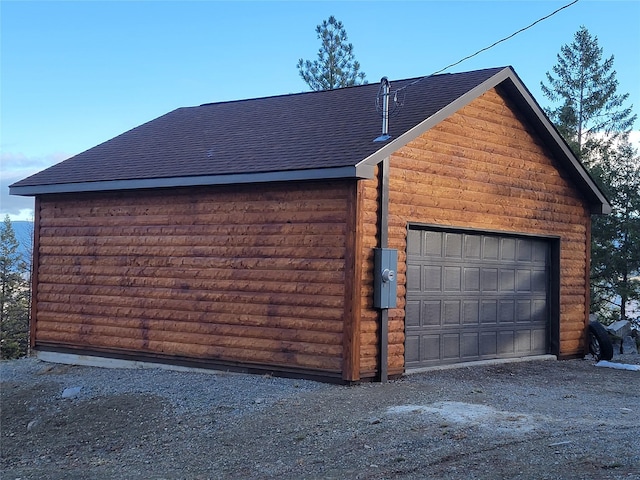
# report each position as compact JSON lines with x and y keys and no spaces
{"x":384,"y":278}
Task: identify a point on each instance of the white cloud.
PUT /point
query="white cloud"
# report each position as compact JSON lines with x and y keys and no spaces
{"x":14,"y":167}
{"x":24,"y":214}
{"x":22,"y":165}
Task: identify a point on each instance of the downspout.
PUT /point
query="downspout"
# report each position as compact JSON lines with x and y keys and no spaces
{"x":383,"y":227}
{"x":383,"y":242}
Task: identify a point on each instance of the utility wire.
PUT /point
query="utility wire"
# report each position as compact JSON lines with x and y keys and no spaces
{"x":490,"y":46}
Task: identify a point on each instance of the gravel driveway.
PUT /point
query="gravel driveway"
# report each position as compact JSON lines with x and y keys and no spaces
{"x":530,"y":420}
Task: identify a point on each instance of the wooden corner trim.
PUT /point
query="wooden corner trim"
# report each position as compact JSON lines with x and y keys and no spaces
{"x":353,"y":279}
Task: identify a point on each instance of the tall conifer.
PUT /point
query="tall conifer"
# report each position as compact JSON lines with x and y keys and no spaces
{"x":588,"y":111}
{"x":336,"y":65}
{"x":593,"y":119}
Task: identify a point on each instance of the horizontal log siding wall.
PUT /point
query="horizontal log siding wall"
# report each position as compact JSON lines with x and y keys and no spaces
{"x":251,"y":274}
{"x":483,"y":168}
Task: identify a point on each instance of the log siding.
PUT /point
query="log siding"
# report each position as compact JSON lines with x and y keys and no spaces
{"x":482,"y":168}
{"x":243,"y":274}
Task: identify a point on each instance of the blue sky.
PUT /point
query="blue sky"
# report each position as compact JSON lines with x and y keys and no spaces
{"x":77,"y":73}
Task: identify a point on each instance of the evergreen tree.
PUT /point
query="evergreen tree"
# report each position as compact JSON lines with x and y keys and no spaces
{"x":592,"y":118}
{"x":14,"y":295}
{"x":615,"y":249}
{"x":336,"y":65}
{"x":589,"y":113}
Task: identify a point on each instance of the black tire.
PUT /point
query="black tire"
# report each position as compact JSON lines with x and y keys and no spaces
{"x":600,"y":345}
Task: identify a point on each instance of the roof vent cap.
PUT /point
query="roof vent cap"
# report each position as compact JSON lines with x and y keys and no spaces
{"x":385,"y":87}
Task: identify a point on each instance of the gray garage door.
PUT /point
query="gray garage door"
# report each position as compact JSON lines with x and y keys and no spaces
{"x":474,"y":297}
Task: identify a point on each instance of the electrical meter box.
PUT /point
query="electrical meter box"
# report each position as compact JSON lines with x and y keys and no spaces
{"x":385,"y":282}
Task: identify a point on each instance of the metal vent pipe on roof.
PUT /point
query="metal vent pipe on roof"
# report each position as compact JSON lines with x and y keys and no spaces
{"x":385,"y":86}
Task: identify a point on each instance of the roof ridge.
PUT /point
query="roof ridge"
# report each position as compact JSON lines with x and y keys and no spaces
{"x":312,"y":92}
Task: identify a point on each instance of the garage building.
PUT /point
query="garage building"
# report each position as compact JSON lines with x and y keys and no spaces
{"x":244,"y":235}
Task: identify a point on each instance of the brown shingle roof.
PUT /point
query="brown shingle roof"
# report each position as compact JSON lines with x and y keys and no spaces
{"x":314,"y":130}
{"x":312,"y":135}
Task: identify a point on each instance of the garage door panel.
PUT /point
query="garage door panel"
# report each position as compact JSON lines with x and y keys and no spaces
{"x":432,"y":313}
{"x":452,"y":312}
{"x":453,"y":245}
{"x":451,"y":346}
{"x":431,"y":348}
{"x":470,"y":345}
{"x":539,"y":340}
{"x":472,"y":247}
{"x":489,"y":312}
{"x":490,"y":248}
{"x":452,"y":279}
{"x":414,"y":242}
{"x":414,"y":278}
{"x":538,"y":280}
{"x":507,"y":280}
{"x":507,"y":313}
{"x":471,"y":279}
{"x":471,"y":312}
{"x":523,"y":280}
{"x":523,"y":341}
{"x":489,"y":279}
{"x":525,"y":250}
{"x":476,"y":296}
{"x":540,"y":251}
{"x":432,"y":279}
{"x":488,"y":344}
{"x":412,"y":349}
{"x":508,"y":249}
{"x":506,"y":342}
{"x":413,"y":316}
{"x":432,"y":244}
{"x":523,"y":311}
{"x":539,"y":311}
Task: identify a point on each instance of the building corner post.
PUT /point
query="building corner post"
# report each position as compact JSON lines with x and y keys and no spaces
{"x":353,"y":280}
{"x":587,"y":290}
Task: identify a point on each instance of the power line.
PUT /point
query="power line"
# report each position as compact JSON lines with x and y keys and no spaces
{"x":487,"y":48}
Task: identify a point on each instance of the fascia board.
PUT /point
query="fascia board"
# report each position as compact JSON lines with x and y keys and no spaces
{"x":175,"y":182}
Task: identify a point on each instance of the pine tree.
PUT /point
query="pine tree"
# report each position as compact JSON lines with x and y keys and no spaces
{"x":14,"y":295}
{"x":615,"y":250}
{"x":592,"y":118}
{"x":336,"y":65}
{"x":589,"y":113}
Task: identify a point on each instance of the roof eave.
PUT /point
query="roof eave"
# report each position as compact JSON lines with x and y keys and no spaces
{"x":353,"y":172}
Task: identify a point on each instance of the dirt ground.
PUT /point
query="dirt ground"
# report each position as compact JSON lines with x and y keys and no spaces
{"x":530,"y":420}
